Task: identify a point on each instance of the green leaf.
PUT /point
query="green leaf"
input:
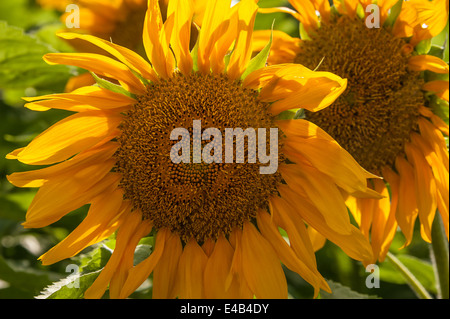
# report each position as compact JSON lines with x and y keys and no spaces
{"x":422,"y":270}
{"x":287,"y":115}
{"x":194,"y":55}
{"x":142,"y":252}
{"x":26,"y":14}
{"x":111,"y":86}
{"x":393,"y":15}
{"x":21,"y":63}
{"x":30,"y":280}
{"x":439,"y":44}
{"x":284,"y":21}
{"x":260,"y":60}
{"x":339,"y":291}
{"x":73,"y":287}
{"x":47,"y":34}
{"x":423,"y":47}
{"x":303,"y":34}
{"x":14,"y":206}
{"x":440,"y":108}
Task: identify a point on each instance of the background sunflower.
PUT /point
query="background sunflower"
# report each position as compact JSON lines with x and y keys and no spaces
{"x":23,"y":42}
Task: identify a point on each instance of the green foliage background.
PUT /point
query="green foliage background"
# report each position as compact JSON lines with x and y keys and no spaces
{"x":26,"y":33}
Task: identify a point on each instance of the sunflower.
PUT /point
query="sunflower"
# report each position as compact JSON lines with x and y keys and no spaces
{"x":118,"y":21}
{"x":384,"y":118}
{"x":215,"y":225}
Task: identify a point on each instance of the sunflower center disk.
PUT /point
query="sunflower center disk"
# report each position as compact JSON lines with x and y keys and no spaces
{"x":373,"y":119}
{"x":194,"y":199}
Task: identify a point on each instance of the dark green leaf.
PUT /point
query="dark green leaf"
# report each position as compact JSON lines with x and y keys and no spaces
{"x":84,"y":271}
{"x":29,"y":279}
{"x":21,"y":63}
{"x":422,"y":270}
{"x":339,"y":291}
{"x":111,"y":86}
{"x":260,"y":60}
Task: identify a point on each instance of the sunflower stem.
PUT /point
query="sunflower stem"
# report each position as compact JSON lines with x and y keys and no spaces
{"x":439,"y":257}
{"x":415,"y":284}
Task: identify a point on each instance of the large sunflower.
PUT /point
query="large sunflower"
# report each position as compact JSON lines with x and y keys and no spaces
{"x":384,"y":118}
{"x":216,"y":225}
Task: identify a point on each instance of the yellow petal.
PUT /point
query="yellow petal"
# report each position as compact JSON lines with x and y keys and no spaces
{"x":436,"y":120}
{"x":439,"y":87}
{"x":37,"y":178}
{"x":199,"y":11}
{"x":299,"y":240}
{"x":157,"y":40}
{"x":285,"y":252}
{"x":325,"y":154}
{"x":380,"y":218}
{"x":390,"y":227}
{"x":323,"y":6}
{"x":317,"y":239}
{"x":183,"y":11}
{"x":126,"y":231}
{"x":126,"y":263}
{"x":216,"y":14}
{"x":164,"y":275}
{"x":208,"y":246}
{"x":435,"y":139}
{"x":350,"y":7}
{"x":425,"y":187}
{"x":440,"y":172}
{"x":316,"y":185}
{"x":70,"y":136}
{"x":315,"y":95}
{"x":259,"y":78}
{"x":307,"y":13}
{"x":260,"y":265}
{"x":99,"y":222}
{"x":428,"y":62}
{"x":217,"y":269}
{"x":128,"y":57}
{"x":66,"y":193}
{"x":140,"y":272}
{"x":236,"y":274}
{"x":284,"y":48}
{"x":90,"y":98}
{"x":432,"y":17}
{"x":366,"y":206}
{"x":355,"y":245}
{"x":191,"y":269}
{"x":78,"y":81}
{"x":101,"y":65}
{"x":407,"y":204}
{"x":295,"y":86}
{"x":14,"y":154}
{"x":440,"y":124}
{"x":243,"y":49}
{"x":406,"y":21}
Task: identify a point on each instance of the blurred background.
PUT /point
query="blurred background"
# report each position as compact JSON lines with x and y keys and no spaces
{"x":27,"y":31}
